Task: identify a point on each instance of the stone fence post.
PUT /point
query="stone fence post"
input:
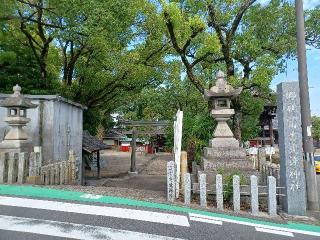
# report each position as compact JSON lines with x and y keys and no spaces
{"x":236,"y":193}
{"x":203,"y":189}
{"x":171,"y":181}
{"x":72,"y":167}
{"x":254,"y":195}
{"x":272,"y":196}
{"x":261,"y":158}
{"x":219,"y":191}
{"x":3,"y":167}
{"x":12,"y":167}
{"x":187,"y":189}
{"x":23,"y":158}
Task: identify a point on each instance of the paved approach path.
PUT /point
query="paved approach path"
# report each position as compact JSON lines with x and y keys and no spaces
{"x":151,"y":177}
{"x":41,"y":213}
{"x":117,"y":163}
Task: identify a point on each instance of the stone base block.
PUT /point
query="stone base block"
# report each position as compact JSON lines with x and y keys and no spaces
{"x":224,"y":153}
{"x":226,"y":164}
{"x":16,"y":146}
{"x":222,"y":142}
{"x":35,"y":180}
{"x":244,"y":172}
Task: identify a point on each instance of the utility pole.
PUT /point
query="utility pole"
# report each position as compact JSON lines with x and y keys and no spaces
{"x":311,"y":181}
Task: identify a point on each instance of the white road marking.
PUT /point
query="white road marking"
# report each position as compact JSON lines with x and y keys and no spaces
{"x":265,"y":230}
{"x":256,"y":225}
{"x":91,"y":196}
{"x":72,"y":230}
{"x":134,"y":214}
{"x":206,"y":220}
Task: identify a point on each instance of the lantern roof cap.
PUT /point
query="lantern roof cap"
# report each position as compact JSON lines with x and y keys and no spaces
{"x":17,"y":100}
{"x":221,"y":88}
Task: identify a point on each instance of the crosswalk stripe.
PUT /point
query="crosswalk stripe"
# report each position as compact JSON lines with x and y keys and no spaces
{"x":72,"y":230}
{"x":255,"y":224}
{"x":133,"y":214}
{"x":283,"y":233}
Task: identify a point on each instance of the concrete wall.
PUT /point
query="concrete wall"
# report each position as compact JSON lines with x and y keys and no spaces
{"x":67,"y":126}
{"x":55,"y":125}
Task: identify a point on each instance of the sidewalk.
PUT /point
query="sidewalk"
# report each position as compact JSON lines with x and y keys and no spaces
{"x":46,"y":193}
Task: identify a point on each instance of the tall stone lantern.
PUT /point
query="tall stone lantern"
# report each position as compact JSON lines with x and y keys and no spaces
{"x":16,"y":140}
{"x":224,"y":150}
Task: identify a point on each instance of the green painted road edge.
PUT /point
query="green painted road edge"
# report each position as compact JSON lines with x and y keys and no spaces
{"x":41,"y":192}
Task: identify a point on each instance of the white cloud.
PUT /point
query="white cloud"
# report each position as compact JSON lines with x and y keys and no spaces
{"x":307,"y":4}
{"x":263,"y":2}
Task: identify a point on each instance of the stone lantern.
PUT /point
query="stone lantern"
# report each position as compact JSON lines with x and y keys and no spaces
{"x":224,"y":150}
{"x":221,"y":95}
{"x":16,"y":139}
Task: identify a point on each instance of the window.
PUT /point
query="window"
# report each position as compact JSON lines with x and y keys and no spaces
{"x":13,"y":112}
{"x":22,"y":112}
{"x":222,"y":103}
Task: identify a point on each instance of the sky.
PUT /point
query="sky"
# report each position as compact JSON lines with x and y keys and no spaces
{"x":313,"y":65}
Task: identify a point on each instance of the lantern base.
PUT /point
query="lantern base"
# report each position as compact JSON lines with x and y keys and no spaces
{"x":224,"y":142}
{"x":16,"y":146}
{"x":228,"y":156}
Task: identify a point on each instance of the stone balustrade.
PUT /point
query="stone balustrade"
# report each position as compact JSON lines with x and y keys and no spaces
{"x":13,"y":167}
{"x":59,"y":173}
{"x":27,"y":168}
{"x":266,"y":168}
{"x":254,"y":191}
{"x":270,"y":169}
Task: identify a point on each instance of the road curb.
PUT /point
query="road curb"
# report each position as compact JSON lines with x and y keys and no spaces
{"x":42,"y":192}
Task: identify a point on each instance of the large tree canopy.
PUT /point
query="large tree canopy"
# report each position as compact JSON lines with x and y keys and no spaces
{"x":244,"y":38}
{"x":124,"y":55}
{"x":96,"y":52}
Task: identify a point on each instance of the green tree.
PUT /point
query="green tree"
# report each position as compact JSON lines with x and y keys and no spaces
{"x":242,"y":37}
{"x":18,"y":64}
{"x":312,"y":25}
{"x":316,"y":127}
{"x":106,"y":51}
{"x":162,"y":103}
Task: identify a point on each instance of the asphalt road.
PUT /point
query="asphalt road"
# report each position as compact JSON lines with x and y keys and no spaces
{"x":25,"y":218}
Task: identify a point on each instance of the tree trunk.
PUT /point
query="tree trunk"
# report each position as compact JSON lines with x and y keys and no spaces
{"x":230,"y":67}
{"x":237,"y":124}
{"x":44,"y":75}
{"x":237,"y":119}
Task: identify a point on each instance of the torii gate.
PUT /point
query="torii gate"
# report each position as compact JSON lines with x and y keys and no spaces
{"x":134,"y":132}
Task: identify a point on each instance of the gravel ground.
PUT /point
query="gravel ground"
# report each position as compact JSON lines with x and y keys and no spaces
{"x":115,"y":164}
{"x":137,"y":194}
{"x":153,"y":173}
{"x":157,"y":165}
